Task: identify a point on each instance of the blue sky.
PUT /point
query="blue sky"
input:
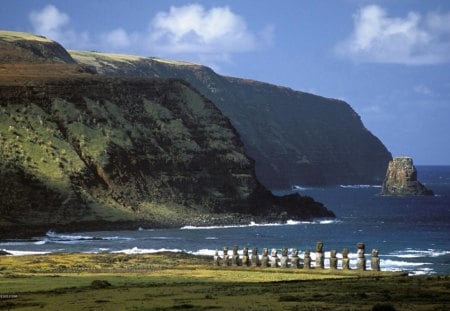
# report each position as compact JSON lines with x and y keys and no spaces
{"x":389,"y":59}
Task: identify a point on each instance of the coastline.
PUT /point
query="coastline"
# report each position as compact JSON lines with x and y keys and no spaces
{"x":20,"y":231}
{"x":185,"y":281}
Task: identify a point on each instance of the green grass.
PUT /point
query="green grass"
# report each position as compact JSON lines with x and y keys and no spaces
{"x":179,"y":281}
{"x":12,"y":36}
{"x":92,"y":58}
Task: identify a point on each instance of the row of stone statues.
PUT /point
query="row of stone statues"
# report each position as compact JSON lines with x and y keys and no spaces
{"x":294,"y":260}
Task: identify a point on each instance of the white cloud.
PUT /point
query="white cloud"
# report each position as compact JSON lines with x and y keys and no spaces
{"x":55,"y":25}
{"x":118,"y":38}
{"x":412,"y":40}
{"x":192,"y":29}
{"x":49,"y":21}
{"x":188,"y":32}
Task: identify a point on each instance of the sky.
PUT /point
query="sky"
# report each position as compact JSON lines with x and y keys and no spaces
{"x":389,"y":59}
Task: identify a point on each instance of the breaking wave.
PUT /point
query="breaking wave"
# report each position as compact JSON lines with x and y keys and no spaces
{"x":359,"y":186}
{"x":289,"y":222}
{"x":53,"y":237}
{"x":419,"y":253}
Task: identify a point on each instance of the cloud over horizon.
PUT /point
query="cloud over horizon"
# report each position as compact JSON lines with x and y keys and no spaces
{"x":49,"y":21}
{"x":411,"y":40}
{"x":191,"y":31}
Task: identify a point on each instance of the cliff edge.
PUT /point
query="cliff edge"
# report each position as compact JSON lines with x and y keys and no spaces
{"x":401,"y":179}
{"x":81,"y":151}
{"x":294,"y":137}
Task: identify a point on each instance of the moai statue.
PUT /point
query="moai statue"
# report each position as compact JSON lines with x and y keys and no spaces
{"x":255,"y":257}
{"x":216,"y":258}
{"x":235,"y":257}
{"x":375,"y":261}
{"x":295,"y":261}
{"x":284,"y":258}
{"x":245,"y":257}
{"x":226,"y":258}
{"x":345,"y":259}
{"x":264,"y":258}
{"x":361,"y":261}
{"x":274,"y":258}
{"x":333,"y":259}
{"x":320,"y":258}
{"x":307,"y":260}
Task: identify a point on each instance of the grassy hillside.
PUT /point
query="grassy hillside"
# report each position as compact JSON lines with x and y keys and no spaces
{"x":80,"y":151}
{"x":294,"y":137}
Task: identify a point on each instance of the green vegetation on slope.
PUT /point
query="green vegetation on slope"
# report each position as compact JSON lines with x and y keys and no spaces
{"x":85,"y":152}
{"x":294,"y":137}
{"x":116,"y":150}
{"x":78,"y":154}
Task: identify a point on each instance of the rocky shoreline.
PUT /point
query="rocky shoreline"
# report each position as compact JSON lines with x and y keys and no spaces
{"x":20,"y":231}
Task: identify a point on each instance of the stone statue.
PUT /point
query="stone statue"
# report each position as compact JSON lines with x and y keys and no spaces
{"x":320,"y":258}
{"x":295,"y":260}
{"x":274,"y":258}
{"x":307,"y":260}
{"x":255,"y":257}
{"x":216,"y":258}
{"x":226,"y":258}
{"x":284,"y":258}
{"x":245,"y":257}
{"x":264,"y":258}
{"x":333,"y":260}
{"x":345,"y":259}
{"x":235,"y":257}
{"x":361,"y":261}
{"x":375,"y":261}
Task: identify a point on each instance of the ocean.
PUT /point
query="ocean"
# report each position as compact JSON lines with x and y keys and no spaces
{"x":412,"y":234}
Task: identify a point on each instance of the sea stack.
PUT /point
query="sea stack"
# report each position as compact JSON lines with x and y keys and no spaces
{"x":401,"y":179}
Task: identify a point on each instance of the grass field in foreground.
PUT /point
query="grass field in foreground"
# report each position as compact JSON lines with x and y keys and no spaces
{"x":174,"y":281}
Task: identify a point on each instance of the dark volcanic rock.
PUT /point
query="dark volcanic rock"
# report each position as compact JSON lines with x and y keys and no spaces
{"x":294,"y":137}
{"x":4,"y":253}
{"x":99,"y":153}
{"x":401,"y":179}
{"x":85,"y":152}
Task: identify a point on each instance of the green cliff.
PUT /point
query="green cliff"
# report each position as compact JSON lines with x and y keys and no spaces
{"x":294,"y":137}
{"x":80,"y":151}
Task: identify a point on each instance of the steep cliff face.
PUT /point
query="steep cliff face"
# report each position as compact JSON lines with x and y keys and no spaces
{"x":401,"y":179}
{"x":79,"y":151}
{"x":294,"y":137}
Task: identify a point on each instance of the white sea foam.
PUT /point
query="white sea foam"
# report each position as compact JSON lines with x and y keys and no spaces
{"x":298,"y":188}
{"x":359,"y":186}
{"x":289,"y":222}
{"x":418,"y":253}
{"x":401,"y":263}
{"x":15,"y":243}
{"x":143,"y":229}
{"x":73,"y":239}
{"x":24,"y":253}
{"x":203,"y":252}
{"x":136,"y":250}
{"x":56,"y":236}
{"x":164,"y":238}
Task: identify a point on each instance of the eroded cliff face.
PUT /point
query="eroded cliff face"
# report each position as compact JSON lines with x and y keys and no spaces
{"x":401,"y":179}
{"x":294,"y":137}
{"x":83,"y":152}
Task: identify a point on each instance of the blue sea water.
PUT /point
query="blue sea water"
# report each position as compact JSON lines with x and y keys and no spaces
{"x":411,"y":233}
